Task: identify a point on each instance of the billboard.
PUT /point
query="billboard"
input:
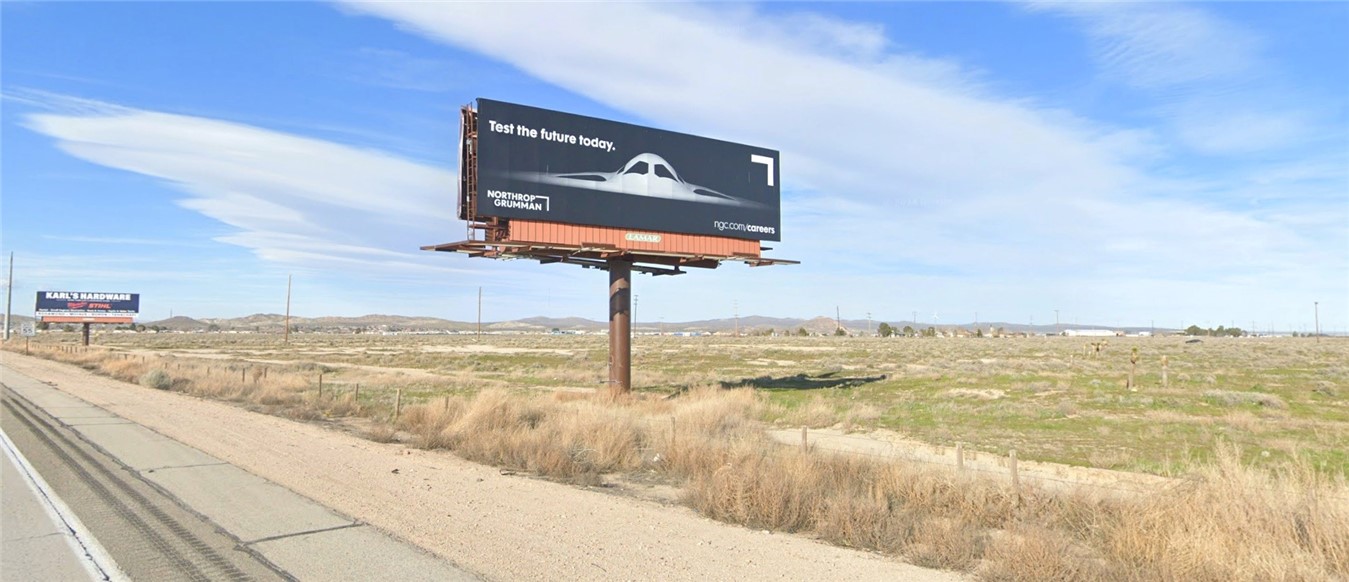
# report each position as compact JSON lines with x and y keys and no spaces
{"x":549,"y":166}
{"x":85,"y":304}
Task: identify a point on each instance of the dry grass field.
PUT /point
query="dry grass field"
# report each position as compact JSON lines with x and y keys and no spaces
{"x":1256,"y":432}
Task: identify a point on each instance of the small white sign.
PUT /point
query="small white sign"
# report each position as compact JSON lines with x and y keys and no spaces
{"x":642,"y":237}
{"x":27,"y":329}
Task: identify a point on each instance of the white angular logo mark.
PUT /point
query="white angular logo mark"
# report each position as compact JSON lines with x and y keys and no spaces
{"x":765,"y":160}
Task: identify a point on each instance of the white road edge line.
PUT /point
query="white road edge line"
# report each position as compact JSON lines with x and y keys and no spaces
{"x":93,"y":557}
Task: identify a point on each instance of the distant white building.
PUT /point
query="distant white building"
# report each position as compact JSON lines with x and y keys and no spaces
{"x":1089,"y":333}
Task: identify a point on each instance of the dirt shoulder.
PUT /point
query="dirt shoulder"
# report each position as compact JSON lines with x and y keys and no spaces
{"x":884,"y":444}
{"x":500,"y":526}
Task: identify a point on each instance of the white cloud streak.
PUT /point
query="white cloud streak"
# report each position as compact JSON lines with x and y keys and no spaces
{"x":896,"y":161}
{"x":292,"y":199}
{"x":1215,"y":89}
{"x":1159,"y":46}
{"x":350,"y":221}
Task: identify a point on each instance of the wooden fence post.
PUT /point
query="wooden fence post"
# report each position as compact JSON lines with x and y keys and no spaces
{"x":320,"y":384}
{"x":398,"y":403}
{"x":805,"y":441}
{"x":960,"y":456}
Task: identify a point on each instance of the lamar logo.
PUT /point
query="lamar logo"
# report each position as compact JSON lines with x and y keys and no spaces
{"x":642,"y":237}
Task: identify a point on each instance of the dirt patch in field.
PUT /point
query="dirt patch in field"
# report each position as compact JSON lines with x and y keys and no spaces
{"x":769,"y":363}
{"x":892,"y":445}
{"x":489,"y":349}
{"x":410,"y":373}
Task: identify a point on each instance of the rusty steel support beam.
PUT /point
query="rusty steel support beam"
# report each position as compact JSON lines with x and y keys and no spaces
{"x":84,"y":337}
{"x":620,"y":326}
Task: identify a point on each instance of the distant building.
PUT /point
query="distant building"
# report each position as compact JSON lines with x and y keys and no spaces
{"x":1089,"y":333}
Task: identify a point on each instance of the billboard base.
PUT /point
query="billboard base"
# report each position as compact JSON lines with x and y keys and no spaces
{"x":620,"y":326}
{"x":597,"y":255}
{"x":620,"y":258}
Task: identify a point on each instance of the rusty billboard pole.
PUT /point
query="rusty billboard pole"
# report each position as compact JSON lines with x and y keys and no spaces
{"x":598,"y":219}
{"x":620,"y":326}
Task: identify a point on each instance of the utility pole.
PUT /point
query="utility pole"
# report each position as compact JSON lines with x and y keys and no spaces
{"x":838,"y":320}
{"x":288,"y":281}
{"x":735,"y":310}
{"x":1057,"y":331}
{"x":479,"y":337}
{"x":9,"y":294}
{"x":868,"y":323}
{"x":1315,"y":305}
{"x":633,"y":314}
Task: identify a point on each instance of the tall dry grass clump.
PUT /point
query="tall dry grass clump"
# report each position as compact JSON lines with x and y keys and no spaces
{"x":705,"y":429}
{"x":934,"y":518}
{"x":282,"y":390}
{"x":577,"y":440}
{"x":1231,"y":522}
{"x":580,"y":437}
{"x":157,"y":379}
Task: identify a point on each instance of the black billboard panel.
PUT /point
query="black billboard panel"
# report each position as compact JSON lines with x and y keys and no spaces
{"x":87,"y":304}
{"x":545,"y":165}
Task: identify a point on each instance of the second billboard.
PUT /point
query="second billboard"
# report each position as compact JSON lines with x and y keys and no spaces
{"x":86,"y":304}
{"x":545,"y":165}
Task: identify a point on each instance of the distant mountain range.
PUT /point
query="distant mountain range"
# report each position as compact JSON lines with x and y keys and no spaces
{"x":271,"y":322}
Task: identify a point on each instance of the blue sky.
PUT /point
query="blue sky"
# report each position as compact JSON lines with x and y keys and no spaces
{"x":1122,"y":163}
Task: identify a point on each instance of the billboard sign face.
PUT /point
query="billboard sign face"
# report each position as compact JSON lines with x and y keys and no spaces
{"x":549,"y":166}
{"x":87,"y":304}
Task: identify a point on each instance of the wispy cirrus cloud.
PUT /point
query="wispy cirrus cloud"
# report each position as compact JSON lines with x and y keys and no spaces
{"x":113,"y":240}
{"x":1207,"y":76}
{"x":349,"y":221}
{"x":290,"y":198}
{"x":1163,"y":46}
{"x":899,"y":162}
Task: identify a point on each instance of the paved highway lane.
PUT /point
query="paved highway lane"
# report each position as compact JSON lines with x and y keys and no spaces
{"x":148,"y":534}
{"x":166,"y":511}
{"x":40,"y":538}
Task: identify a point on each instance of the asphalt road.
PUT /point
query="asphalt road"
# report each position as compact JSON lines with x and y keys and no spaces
{"x":166,"y":511}
{"x":39,"y":537}
{"x":148,"y":534}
